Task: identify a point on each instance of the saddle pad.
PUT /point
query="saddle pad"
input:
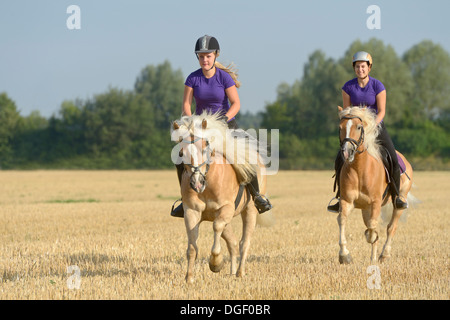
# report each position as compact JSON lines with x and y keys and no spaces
{"x":401,"y":164}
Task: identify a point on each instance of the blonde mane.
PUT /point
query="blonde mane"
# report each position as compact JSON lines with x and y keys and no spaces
{"x":371,"y":128}
{"x":239,"y":149}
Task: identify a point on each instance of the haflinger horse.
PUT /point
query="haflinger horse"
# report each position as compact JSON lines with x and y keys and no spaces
{"x":218,"y":164}
{"x":364,"y":181}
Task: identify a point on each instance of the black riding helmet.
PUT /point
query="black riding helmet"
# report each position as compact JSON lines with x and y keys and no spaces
{"x":206,"y":44}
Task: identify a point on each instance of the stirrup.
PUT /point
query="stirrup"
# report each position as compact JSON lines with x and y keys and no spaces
{"x":335,"y":207}
{"x":177,"y":212}
{"x":262,"y":204}
{"x":399,"y":203}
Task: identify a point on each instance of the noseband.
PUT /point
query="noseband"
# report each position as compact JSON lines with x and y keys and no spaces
{"x":353,"y":142}
{"x":207,"y":162}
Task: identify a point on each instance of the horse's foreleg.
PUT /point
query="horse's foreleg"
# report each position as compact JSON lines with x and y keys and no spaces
{"x":192,"y":226}
{"x":248,"y":226}
{"x":344,"y":253}
{"x":232,"y":245}
{"x":222,"y":220}
{"x":371,"y":221}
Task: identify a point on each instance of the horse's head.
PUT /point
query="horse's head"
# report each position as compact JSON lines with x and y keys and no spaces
{"x":196,"y":155}
{"x":351,"y":135}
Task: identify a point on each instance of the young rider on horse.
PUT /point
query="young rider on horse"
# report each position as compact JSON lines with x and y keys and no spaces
{"x":369,"y":92}
{"x":212,"y":86}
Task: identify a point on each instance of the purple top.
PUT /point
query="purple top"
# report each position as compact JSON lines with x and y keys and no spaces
{"x":364,"y":96}
{"x":210,"y":93}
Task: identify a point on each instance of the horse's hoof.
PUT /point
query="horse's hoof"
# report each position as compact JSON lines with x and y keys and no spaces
{"x":189,"y":280}
{"x":383,"y":258}
{"x":215,"y":266}
{"x":371,"y":236}
{"x":345,"y":259}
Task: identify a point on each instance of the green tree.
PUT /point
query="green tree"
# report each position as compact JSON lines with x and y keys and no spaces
{"x":247,"y":120}
{"x":276,"y":116}
{"x":66,"y":132}
{"x":163,"y":88}
{"x":115,"y":119}
{"x":9,"y":121}
{"x":430,"y":67}
{"x":319,"y":95}
{"x":31,"y":141}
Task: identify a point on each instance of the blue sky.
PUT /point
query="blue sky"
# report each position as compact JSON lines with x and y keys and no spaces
{"x":43,"y":63}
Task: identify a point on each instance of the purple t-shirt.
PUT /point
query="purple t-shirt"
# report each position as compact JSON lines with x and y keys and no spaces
{"x":210,"y":93}
{"x":366,"y":96}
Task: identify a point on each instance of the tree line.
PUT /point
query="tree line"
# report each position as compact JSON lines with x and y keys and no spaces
{"x":129,"y":129}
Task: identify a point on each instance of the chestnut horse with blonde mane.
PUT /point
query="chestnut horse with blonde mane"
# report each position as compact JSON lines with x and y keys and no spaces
{"x":214,"y":174}
{"x":364,"y":181}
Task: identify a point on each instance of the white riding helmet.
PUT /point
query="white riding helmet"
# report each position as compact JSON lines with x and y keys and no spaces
{"x":362,"y":56}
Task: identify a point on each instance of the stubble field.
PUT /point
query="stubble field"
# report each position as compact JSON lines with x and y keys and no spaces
{"x":114,"y":228}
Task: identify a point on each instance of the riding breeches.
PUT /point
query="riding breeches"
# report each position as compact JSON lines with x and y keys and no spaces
{"x":385,"y":141}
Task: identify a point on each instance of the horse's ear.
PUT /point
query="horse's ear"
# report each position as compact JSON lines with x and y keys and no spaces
{"x":175,"y":125}
{"x":204,"y":124}
{"x":340,"y":109}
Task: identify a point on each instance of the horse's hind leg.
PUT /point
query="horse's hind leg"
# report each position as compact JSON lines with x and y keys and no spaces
{"x":232,"y":244}
{"x":391,"y":228}
{"x":248,"y":226}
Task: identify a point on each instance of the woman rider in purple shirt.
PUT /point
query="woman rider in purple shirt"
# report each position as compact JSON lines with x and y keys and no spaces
{"x":212,"y":86}
{"x":369,"y":92}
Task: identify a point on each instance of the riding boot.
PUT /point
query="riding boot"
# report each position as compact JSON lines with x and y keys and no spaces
{"x":337,"y":167}
{"x":395,"y":187}
{"x":262,"y":204}
{"x":178,"y":211}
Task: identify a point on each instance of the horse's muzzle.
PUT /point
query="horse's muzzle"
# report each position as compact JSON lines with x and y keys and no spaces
{"x":198,"y":183}
{"x":348,"y":152}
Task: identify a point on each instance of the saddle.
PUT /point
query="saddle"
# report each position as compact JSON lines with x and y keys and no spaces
{"x":388,"y":166}
{"x":387,"y":162}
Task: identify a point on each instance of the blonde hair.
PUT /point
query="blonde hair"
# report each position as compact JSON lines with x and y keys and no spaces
{"x":230,"y":69}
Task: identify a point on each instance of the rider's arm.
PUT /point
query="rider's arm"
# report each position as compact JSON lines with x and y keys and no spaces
{"x":187,"y":101}
{"x":345,"y":100}
{"x":381,"y":105}
{"x":235,"y":103}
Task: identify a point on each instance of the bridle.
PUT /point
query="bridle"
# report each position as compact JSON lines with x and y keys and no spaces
{"x":353,"y":142}
{"x":206,"y":163}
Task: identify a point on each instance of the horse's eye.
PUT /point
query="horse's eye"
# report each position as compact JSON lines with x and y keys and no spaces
{"x":359,"y":127}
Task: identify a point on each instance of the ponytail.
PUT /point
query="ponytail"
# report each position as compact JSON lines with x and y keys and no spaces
{"x":231,"y":70}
